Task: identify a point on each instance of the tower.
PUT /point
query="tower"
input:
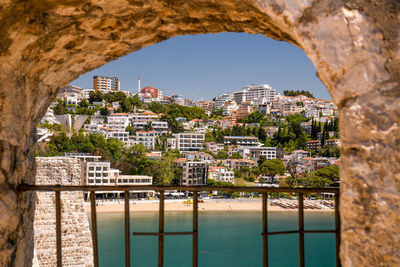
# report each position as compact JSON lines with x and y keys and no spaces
{"x":138,"y":88}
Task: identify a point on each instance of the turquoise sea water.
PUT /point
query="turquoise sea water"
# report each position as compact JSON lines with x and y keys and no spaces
{"x":225,"y":239}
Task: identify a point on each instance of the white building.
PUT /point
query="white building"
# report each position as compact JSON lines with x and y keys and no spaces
{"x":255,"y":153}
{"x":189,"y":141}
{"x":241,"y":140}
{"x":118,"y":121}
{"x":160,"y":127}
{"x":146,"y":138}
{"x":258,"y":94}
{"x":221,"y":174}
{"x":220,"y":101}
{"x":140,"y":120}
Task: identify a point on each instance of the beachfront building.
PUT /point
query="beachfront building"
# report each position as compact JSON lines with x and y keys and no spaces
{"x":221,"y":174}
{"x":189,"y":141}
{"x":146,"y":138}
{"x":241,"y":140}
{"x":100,"y":173}
{"x":193,"y":172}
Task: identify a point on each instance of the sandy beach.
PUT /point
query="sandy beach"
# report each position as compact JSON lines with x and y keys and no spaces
{"x":179,"y":205}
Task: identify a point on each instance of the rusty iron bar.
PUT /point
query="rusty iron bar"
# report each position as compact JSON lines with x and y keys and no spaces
{"x":265,"y":228}
{"x":301,"y":230}
{"x":26,"y":187}
{"x":58,"y":229}
{"x":195,"y":230}
{"x":127,"y":235}
{"x":305,"y":231}
{"x":94,"y":228}
{"x":161,"y":231}
{"x":337,"y":231}
{"x":164,"y":233}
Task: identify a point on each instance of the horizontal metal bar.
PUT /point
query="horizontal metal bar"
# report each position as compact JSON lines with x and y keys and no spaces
{"x":297,"y":232}
{"x":165,"y":233}
{"x":26,"y":187}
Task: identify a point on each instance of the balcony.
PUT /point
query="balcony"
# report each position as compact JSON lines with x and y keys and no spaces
{"x":265,"y":233}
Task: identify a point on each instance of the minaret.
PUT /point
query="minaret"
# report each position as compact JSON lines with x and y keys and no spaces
{"x":138,"y":88}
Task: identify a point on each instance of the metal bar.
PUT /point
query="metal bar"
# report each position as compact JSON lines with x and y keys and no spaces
{"x":127,"y":235}
{"x":161,"y":231}
{"x":58,"y":229}
{"x":165,"y":233}
{"x":337,"y":231}
{"x":195,"y":230}
{"x":305,"y":231}
{"x":25,"y":187}
{"x":301,"y":230}
{"x":94,"y":228}
{"x":265,"y":228}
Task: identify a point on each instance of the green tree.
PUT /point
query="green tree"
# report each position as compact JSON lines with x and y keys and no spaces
{"x":222,"y":154}
{"x":272,"y":167}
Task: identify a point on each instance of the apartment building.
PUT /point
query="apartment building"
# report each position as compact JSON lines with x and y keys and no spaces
{"x":118,"y":121}
{"x":105,"y":83}
{"x":171,"y":143}
{"x":72,"y":95}
{"x":140,"y":120}
{"x":202,"y":156}
{"x":332,"y":142}
{"x":241,"y":140}
{"x":160,"y":127}
{"x":146,"y":138}
{"x":258,"y":94}
{"x":237,"y":164}
{"x":313,"y":144}
{"x":255,"y":153}
{"x":194,"y":172}
{"x":189,"y":141}
{"x":220,"y":101}
{"x":221,"y":174}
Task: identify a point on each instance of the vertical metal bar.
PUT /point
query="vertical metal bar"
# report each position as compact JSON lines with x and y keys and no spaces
{"x":58,"y":228}
{"x":94,"y":228}
{"x":337,"y":231}
{"x":127,"y":235}
{"x":161,"y":231}
{"x":301,"y":230}
{"x":265,"y":228}
{"x":195,"y":230}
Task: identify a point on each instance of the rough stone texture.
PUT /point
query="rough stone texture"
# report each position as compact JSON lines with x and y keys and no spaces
{"x":354,"y":45}
{"x":77,"y":249}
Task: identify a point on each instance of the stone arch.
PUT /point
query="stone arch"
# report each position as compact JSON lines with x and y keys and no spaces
{"x":354,"y":45}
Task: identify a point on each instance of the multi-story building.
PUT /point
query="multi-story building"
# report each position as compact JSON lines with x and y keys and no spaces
{"x":237,"y":164}
{"x":205,"y":105}
{"x":332,"y":142}
{"x":160,"y":127}
{"x":214,"y":147}
{"x":120,"y":135}
{"x":255,"y":153}
{"x":220,"y":101}
{"x":105,"y":83}
{"x":171,"y":143}
{"x":221,"y":174}
{"x":241,"y":140}
{"x":177,"y":99}
{"x":202,"y":156}
{"x":259,"y":94}
{"x":101,"y":174}
{"x":194,"y":172}
{"x":140,"y":120}
{"x":72,"y":95}
{"x":150,"y":92}
{"x":118,"y":121}
{"x":146,"y":138}
{"x":313,"y":144}
{"x":189,"y":141}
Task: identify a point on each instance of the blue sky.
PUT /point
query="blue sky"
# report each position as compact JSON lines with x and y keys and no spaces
{"x":204,"y":66}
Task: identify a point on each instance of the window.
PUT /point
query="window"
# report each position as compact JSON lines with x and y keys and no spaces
{"x":98,"y":181}
{"x":98,"y":168}
{"x":90,"y":181}
{"x":105,"y":181}
{"x":91,"y":174}
{"x":91,"y":168}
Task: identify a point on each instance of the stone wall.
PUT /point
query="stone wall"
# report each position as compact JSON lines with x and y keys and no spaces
{"x":75,"y":232}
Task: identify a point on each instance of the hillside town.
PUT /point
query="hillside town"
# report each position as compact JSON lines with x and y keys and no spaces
{"x":254,"y":136}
